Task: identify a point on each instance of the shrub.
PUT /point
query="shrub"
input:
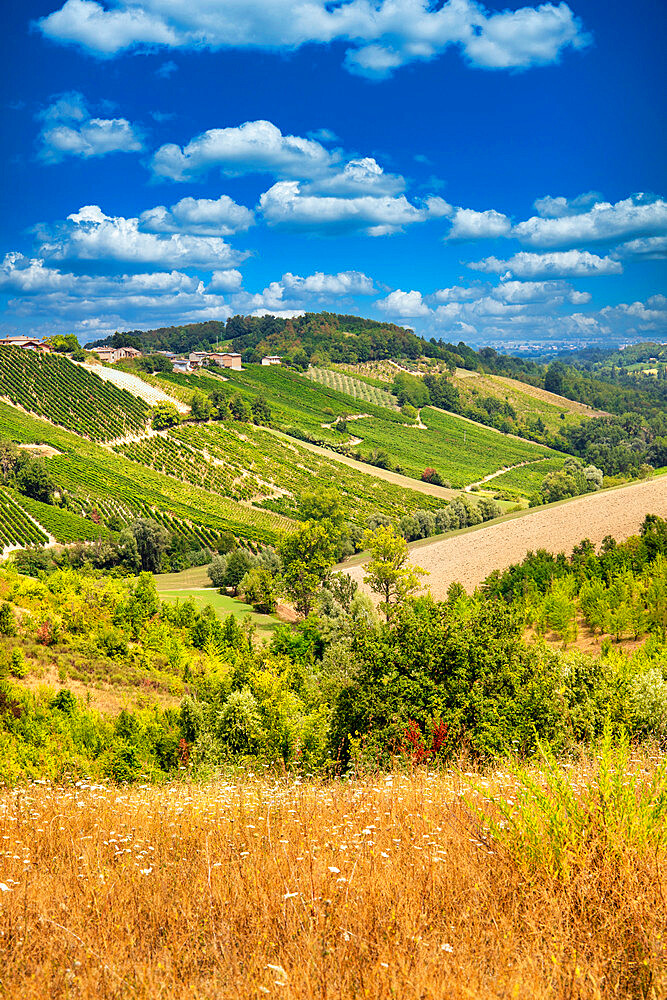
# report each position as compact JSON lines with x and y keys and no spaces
{"x":258,"y":589}
{"x":124,"y":765}
{"x":17,"y":663}
{"x":238,"y":725}
{"x":164,"y":415}
{"x":7,"y":621}
{"x":547,"y":830}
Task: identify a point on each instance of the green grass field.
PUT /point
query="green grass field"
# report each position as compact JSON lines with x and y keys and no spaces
{"x":169,"y":590}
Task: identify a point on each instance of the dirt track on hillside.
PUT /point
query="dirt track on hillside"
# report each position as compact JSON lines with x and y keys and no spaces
{"x":470,"y":557}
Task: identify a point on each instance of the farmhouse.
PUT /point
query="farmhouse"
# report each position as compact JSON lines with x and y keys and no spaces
{"x":197,"y":358}
{"x":271,"y":359}
{"x":26,"y":343}
{"x":181,"y":365}
{"x":227,"y":360}
{"x":113,"y":354}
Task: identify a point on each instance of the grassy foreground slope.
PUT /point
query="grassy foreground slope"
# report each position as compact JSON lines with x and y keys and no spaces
{"x":377,"y":888}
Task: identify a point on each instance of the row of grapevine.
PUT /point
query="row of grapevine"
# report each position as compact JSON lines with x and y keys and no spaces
{"x":69,"y":395}
{"x":244,"y":461}
{"x":354,"y":387}
{"x":175,"y":458}
{"x":16,"y":528}
{"x":64,"y":525}
{"x":191,"y":533}
{"x":99,"y":478}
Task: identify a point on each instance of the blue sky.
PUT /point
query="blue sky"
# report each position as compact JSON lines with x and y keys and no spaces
{"x":483,"y":173}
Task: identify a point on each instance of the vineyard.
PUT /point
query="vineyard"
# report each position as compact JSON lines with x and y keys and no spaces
{"x":63,"y":525}
{"x":300,"y":406}
{"x":247,"y":462}
{"x":140,"y":387}
{"x":16,"y":528}
{"x":69,"y":395}
{"x":462,"y":452}
{"x":527,"y":479}
{"x":96,"y":477}
{"x":354,"y":387}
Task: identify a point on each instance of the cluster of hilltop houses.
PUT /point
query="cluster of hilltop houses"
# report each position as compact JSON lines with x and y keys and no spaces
{"x":227,"y":359}
{"x":27,"y":343}
{"x":180,"y":363}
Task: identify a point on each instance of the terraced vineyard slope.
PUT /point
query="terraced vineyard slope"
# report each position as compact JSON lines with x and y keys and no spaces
{"x":69,"y":395}
{"x":96,"y":478}
{"x":461,"y":451}
{"x":17,"y":529}
{"x":252,"y":464}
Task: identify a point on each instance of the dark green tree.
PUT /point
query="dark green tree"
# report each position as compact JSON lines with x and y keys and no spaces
{"x":152,"y":540}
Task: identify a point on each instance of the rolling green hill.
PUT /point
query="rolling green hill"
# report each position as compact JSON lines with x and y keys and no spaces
{"x":203,"y":477}
{"x":461,"y":451}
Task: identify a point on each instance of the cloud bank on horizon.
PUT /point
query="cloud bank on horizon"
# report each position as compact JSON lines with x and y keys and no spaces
{"x":170,"y":205}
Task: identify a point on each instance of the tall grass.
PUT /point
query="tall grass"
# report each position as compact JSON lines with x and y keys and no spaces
{"x":385,"y":887}
{"x":553,"y":824}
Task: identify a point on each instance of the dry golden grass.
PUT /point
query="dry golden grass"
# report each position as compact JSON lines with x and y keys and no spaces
{"x":376,"y":888}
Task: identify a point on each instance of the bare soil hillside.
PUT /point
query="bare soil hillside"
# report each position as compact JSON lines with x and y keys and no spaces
{"x":471,"y":556}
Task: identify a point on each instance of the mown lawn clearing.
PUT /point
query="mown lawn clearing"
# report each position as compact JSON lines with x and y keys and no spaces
{"x":222,"y":605}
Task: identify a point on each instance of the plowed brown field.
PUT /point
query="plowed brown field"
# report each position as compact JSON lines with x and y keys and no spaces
{"x":470,"y":557}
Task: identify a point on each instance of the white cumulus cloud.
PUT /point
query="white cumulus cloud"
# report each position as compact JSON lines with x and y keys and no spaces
{"x":468,"y":224}
{"x":559,"y":263}
{"x":69,"y":130}
{"x":225,"y":281}
{"x":287,"y":205}
{"x":198,"y":216}
{"x":524,"y":292}
{"x":603,"y":222}
{"x":293,"y":290}
{"x":556,"y":208}
{"x":405,"y":305}
{"x":90,"y":235}
{"x":254,"y":147}
{"x":649,"y":248}
{"x":364,"y":176}
{"x":380,"y":35}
